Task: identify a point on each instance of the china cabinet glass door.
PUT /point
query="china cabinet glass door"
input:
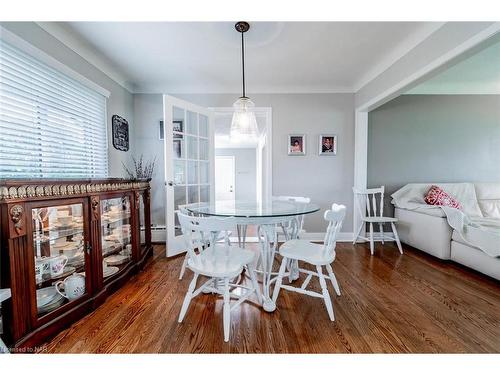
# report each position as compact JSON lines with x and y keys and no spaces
{"x":59,"y":246}
{"x":116,"y":235}
{"x":189,"y":166}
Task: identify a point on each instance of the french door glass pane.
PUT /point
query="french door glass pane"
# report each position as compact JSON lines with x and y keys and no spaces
{"x":192,"y":123}
{"x":204,"y":193}
{"x":203,"y":124}
{"x":203,"y":149}
{"x":179,"y":148}
{"x":193,"y":194}
{"x":204,"y":172}
{"x":192,"y":147}
{"x":178,"y":120}
{"x":179,"y":171}
{"x":192,"y":172}
{"x":179,"y":196}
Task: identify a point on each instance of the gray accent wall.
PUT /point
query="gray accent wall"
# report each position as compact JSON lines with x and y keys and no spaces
{"x":120,"y":101}
{"x":326,"y":179}
{"x":148,"y":112}
{"x":434,"y":138}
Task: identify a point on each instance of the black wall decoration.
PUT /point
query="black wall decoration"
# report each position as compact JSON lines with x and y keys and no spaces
{"x":120,"y":133}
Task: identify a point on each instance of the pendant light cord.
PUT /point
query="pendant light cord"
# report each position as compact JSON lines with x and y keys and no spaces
{"x":243,"y":62}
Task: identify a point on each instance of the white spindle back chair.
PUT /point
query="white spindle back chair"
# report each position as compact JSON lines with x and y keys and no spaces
{"x":218,"y":261}
{"x":318,"y":255}
{"x":293,"y":229}
{"x":371,"y":211}
{"x":202,"y":240}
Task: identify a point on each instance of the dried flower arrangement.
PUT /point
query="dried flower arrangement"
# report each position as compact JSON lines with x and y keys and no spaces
{"x":142,"y":170}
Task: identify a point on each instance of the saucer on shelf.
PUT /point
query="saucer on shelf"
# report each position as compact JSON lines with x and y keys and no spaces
{"x":109,"y":271}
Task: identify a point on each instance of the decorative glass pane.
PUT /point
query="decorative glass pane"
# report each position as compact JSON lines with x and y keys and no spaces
{"x":192,"y":123}
{"x":179,"y":171}
{"x":204,"y":172}
{"x":58,"y":241}
{"x":203,"y":125}
{"x":179,"y":196}
{"x":193,"y":194}
{"x":203,"y":149}
{"x":204,"y":193}
{"x":192,"y":172}
{"x":116,"y":235}
{"x":192,"y":147}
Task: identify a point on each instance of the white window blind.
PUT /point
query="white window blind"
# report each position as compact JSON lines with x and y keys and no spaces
{"x":51,"y":126}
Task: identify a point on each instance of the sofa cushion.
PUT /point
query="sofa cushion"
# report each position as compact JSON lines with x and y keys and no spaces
{"x":488,"y":197}
{"x":438,"y":197}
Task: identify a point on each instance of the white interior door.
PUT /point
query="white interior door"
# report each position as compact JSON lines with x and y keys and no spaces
{"x":224,"y":178}
{"x":189,"y":162}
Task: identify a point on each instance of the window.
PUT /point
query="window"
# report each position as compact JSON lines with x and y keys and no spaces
{"x":51,"y":126}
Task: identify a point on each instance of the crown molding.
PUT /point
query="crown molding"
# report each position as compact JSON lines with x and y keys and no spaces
{"x":146,"y":88}
{"x":411,"y":42}
{"x":82,"y":48}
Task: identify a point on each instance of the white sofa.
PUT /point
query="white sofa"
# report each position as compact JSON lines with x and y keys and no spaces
{"x":427,"y":228}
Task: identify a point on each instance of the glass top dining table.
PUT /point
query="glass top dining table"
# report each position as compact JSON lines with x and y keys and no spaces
{"x":252,"y":209}
{"x":267,"y":216}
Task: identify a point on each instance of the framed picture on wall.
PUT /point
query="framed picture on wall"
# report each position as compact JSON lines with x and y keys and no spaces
{"x":328,"y":144}
{"x":296,"y":144}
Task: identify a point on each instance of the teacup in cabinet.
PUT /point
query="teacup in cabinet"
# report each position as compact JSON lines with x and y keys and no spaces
{"x":74,"y":286}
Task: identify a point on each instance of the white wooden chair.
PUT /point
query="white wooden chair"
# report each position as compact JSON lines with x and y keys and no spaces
{"x":293,"y":229}
{"x":371,"y":213}
{"x":218,"y":261}
{"x":318,"y":255}
{"x":202,"y":241}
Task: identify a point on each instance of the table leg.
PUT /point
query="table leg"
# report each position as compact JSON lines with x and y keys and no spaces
{"x":268,"y":244}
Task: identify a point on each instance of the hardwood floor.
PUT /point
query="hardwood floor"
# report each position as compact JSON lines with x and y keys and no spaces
{"x":390,"y":303}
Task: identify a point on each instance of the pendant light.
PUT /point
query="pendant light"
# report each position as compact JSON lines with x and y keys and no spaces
{"x":243,"y":124}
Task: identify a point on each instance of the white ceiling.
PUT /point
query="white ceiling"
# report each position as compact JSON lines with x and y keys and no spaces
{"x":204,"y":57}
{"x":478,"y":74}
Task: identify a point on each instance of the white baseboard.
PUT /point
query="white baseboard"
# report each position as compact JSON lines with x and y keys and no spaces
{"x":159,"y":235}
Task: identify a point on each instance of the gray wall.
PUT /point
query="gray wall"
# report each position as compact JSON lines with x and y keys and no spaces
{"x":245,"y":179}
{"x":434,"y":138}
{"x":325,"y":179}
{"x":120,"y":101}
{"x":148,"y":111}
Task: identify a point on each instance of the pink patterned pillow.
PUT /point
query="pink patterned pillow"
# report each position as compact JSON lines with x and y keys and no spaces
{"x":438,"y":197}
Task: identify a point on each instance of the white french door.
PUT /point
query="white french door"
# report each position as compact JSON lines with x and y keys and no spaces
{"x":189,"y":162}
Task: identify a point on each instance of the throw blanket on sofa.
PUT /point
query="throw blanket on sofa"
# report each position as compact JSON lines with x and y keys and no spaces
{"x":482,"y":233}
{"x":474,"y":229}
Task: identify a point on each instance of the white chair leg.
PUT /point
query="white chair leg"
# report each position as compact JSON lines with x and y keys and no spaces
{"x":255,"y":284}
{"x":381,"y":229}
{"x":326,"y":295}
{"x":183,"y":267}
{"x":226,"y":310}
{"x":372,"y":249}
{"x":333,"y":279}
{"x":281,"y":273}
{"x":395,"y":232}
{"x":358,"y":233}
{"x":187,"y":298}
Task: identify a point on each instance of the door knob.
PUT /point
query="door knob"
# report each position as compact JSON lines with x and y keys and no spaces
{"x":170,"y":183}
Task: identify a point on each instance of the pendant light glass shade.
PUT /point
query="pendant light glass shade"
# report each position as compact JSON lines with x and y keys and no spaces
{"x":244,"y":124}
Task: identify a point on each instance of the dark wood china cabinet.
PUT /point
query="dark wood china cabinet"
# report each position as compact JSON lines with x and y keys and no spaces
{"x":65,"y":246}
